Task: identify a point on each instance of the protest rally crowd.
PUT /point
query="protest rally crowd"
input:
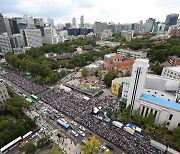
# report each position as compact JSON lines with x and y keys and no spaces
{"x":76,"y":107}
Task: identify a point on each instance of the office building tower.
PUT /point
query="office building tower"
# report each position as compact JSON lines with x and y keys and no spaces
{"x":32,"y":37}
{"x":82,"y":21}
{"x":138,"y":78}
{"x":74,"y":23}
{"x":161,"y":27}
{"x":99,"y":27}
{"x":171,"y":19}
{"x":49,"y":31}
{"x":2,"y":24}
{"x":8,"y":26}
{"x":29,"y":21}
{"x":148,"y":26}
{"x":38,"y":22}
{"x":67,"y":26}
{"x":5,"y":45}
{"x":17,"y":41}
{"x":111,"y":26}
{"x":136,"y":27}
{"x":50,"y":22}
{"x":19,"y":24}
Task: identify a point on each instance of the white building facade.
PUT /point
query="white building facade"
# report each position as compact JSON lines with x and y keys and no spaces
{"x":132,"y":54}
{"x":5,"y":45}
{"x":171,"y":72}
{"x":33,"y":37}
{"x":153,"y":95}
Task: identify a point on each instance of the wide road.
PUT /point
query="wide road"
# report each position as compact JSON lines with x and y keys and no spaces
{"x":76,"y":128}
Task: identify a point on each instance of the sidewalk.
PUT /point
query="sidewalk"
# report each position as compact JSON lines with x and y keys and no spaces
{"x":64,"y":143}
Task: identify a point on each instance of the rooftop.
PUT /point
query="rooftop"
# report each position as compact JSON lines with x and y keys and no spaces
{"x":175,"y":68}
{"x":160,"y":101}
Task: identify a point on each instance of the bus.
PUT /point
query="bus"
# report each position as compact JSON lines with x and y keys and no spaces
{"x":34,"y":97}
{"x":10,"y":145}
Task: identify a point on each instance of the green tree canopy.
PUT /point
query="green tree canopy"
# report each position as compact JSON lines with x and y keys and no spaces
{"x":91,"y":146}
{"x":109,"y":77}
{"x":84,"y":72}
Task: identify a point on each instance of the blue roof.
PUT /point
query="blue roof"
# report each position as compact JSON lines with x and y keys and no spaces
{"x":161,"y":101}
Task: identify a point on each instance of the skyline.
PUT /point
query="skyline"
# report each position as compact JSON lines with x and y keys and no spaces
{"x":63,"y":11}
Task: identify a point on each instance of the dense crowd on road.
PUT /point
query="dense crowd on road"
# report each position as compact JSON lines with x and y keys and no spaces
{"x":25,"y":84}
{"x":75,"y":106}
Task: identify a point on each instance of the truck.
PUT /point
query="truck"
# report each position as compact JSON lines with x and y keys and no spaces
{"x":117,"y":124}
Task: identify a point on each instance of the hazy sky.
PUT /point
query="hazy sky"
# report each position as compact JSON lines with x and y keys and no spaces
{"x":123,"y":11}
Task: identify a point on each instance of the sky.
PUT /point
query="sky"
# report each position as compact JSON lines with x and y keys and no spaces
{"x":118,"y":11}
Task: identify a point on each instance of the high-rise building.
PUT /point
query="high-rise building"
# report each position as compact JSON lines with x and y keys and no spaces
{"x":5,"y":45}
{"x":138,"y":78}
{"x":171,"y":19}
{"x":148,"y":26}
{"x":8,"y":26}
{"x":2,"y":24}
{"x":68,"y":25}
{"x":82,"y":21}
{"x":29,"y":21}
{"x":19,"y":24}
{"x":136,"y":27}
{"x":99,"y":27}
{"x":50,"y":22}
{"x":74,"y":23}
{"x":111,"y":26}
{"x":32,"y":37}
{"x":17,"y":41}
{"x":38,"y":22}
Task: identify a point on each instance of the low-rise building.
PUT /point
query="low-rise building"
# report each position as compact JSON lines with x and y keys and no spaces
{"x":108,"y":44}
{"x":115,"y":63}
{"x":132,"y":54}
{"x":95,"y":67}
{"x":171,"y":72}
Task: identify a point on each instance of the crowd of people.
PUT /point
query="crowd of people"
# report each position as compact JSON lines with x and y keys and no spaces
{"x":75,"y":106}
{"x":20,"y":81}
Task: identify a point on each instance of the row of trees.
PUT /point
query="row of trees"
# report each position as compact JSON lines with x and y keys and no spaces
{"x":13,"y":122}
{"x":41,"y":68}
{"x":159,"y":51}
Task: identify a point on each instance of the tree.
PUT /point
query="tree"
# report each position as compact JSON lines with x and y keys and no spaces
{"x":137,"y":117}
{"x":109,"y":77}
{"x":84,"y":72}
{"x":161,"y":131}
{"x":100,"y":74}
{"x":157,"y":69}
{"x":150,"y":119}
{"x":91,"y":146}
{"x":175,"y":138}
{"x":126,"y":114}
{"x":30,"y":148}
{"x":43,"y":141}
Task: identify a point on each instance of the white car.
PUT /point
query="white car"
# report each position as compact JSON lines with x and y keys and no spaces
{"x":74,"y":123}
{"x":104,"y":148}
{"x":82,"y":128}
{"x":74,"y":133}
{"x":81,"y":133}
